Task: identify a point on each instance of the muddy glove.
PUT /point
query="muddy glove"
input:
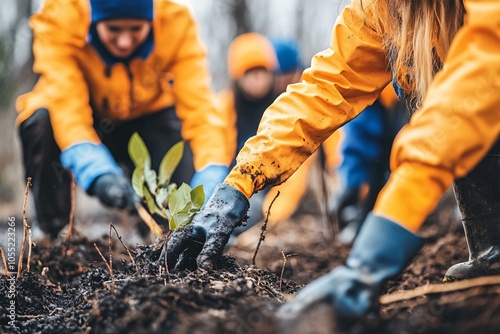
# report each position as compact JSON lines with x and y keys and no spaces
{"x":381,"y":251}
{"x":209,"y":177}
{"x":114,"y":191}
{"x":202,"y":241}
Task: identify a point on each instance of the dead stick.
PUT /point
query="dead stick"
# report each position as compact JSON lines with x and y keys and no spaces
{"x":73,"y":205}
{"x":25,"y":227}
{"x":285,"y":257}
{"x":105,"y":261}
{"x":128,"y":251}
{"x":71,"y":217}
{"x":110,"y":251}
{"x":439,"y":288}
{"x":6,"y":271}
{"x":146,"y":218}
{"x":331,"y":219}
{"x":264,"y":227}
{"x":30,"y":243}
{"x":166,"y":257}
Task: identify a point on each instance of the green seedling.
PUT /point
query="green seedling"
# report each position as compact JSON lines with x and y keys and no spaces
{"x":176,"y":204}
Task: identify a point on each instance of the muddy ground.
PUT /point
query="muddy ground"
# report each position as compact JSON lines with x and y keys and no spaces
{"x":71,"y":290}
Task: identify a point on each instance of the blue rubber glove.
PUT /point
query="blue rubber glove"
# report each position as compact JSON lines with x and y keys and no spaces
{"x":209,"y":177}
{"x":88,"y":161}
{"x":202,"y":242}
{"x":381,"y":251}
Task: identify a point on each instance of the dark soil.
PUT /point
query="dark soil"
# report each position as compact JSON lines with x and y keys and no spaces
{"x":77,"y":293}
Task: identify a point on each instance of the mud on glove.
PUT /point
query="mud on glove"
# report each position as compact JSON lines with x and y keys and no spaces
{"x":209,"y":177}
{"x":381,"y":251}
{"x":203,"y":240}
{"x":114,"y":191}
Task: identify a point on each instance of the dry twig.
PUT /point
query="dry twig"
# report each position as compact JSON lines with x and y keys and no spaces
{"x":285,"y":258}
{"x":146,"y":217}
{"x":439,"y":288}
{"x":6,"y":271}
{"x":73,"y":205}
{"x":110,"y":251}
{"x":26,"y":227}
{"x":105,"y":261}
{"x":128,"y":251}
{"x":264,"y":228}
{"x":69,"y":236}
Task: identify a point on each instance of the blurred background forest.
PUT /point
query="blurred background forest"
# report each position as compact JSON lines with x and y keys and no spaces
{"x":308,"y":22}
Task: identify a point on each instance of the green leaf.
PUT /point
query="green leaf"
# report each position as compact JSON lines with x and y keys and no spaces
{"x":138,"y":180}
{"x":179,"y":220}
{"x":163,"y":195}
{"x":180,"y":199}
{"x":138,"y":151}
{"x":150,"y":178}
{"x":170,"y":162}
{"x":197,"y":198}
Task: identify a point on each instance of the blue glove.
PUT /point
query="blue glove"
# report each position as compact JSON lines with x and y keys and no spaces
{"x":209,"y":177}
{"x":88,"y":161}
{"x":381,"y":251}
{"x":203,"y":240}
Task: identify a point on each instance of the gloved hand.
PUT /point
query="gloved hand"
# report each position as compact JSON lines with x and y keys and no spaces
{"x":202,"y":241}
{"x":88,"y":161}
{"x":381,"y":251}
{"x":209,"y":177}
{"x":114,"y":191}
{"x":349,"y":198}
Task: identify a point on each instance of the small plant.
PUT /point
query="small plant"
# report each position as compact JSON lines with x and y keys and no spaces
{"x":177,"y":205}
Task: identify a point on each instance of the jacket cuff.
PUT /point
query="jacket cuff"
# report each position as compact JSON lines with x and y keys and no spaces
{"x":88,"y":161}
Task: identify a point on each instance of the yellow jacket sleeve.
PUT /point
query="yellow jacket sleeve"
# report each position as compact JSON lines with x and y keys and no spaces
{"x":457,"y":125}
{"x":202,"y":122}
{"x":66,"y":94}
{"x":341,"y":82}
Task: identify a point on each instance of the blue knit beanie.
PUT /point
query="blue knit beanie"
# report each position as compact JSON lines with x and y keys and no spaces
{"x":115,"y":9}
{"x":288,"y":55}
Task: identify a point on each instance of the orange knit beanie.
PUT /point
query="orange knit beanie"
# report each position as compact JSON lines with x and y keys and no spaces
{"x":248,"y":51}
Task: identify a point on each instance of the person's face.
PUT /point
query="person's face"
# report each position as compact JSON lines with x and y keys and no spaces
{"x":256,"y":83}
{"x":122,"y":36}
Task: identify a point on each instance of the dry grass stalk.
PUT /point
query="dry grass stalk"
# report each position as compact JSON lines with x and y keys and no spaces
{"x":439,"y":288}
{"x":6,"y":271}
{"x":26,"y":227}
{"x":128,"y":251}
{"x":105,"y":261}
{"x":264,"y":228}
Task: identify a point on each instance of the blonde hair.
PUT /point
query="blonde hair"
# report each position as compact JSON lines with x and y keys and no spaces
{"x":419,"y":38}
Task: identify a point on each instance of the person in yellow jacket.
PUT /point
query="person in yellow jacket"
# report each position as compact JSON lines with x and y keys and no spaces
{"x":443,"y":55}
{"x":364,"y":153}
{"x":260,"y":69}
{"x":251,"y":64}
{"x":107,"y":69}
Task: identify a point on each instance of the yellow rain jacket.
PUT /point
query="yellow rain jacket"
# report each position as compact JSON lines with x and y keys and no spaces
{"x":458,"y":123}
{"x":74,"y":82}
{"x":291,"y":192}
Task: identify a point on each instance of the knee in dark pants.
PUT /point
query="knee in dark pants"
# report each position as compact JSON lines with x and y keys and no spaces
{"x":51,"y":182}
{"x":37,"y":126}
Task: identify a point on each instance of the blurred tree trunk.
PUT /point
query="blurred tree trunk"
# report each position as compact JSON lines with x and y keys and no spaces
{"x":240,"y":17}
{"x":15,"y":54}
